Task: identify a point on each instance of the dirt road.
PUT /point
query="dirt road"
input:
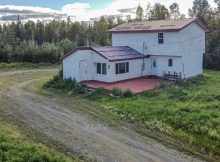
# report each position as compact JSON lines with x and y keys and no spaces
{"x":78,"y":132}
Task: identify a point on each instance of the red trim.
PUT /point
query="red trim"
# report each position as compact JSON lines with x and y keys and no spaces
{"x":119,"y":81}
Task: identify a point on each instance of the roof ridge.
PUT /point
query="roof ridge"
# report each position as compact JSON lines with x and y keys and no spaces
{"x":168,"y":25}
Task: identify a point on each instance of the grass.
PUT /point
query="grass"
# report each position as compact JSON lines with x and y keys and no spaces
{"x":189,"y":111}
{"x":27,"y":75}
{"x":21,"y":144}
{"x":15,"y":146}
{"x":23,"y":66}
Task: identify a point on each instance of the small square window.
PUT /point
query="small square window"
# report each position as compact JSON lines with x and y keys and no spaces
{"x":170,"y":62}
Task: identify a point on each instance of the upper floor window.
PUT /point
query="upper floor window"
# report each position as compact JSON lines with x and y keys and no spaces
{"x":160,"y":38}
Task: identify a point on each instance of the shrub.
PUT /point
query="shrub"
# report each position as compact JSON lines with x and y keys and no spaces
{"x":57,"y":82}
{"x":117,"y":92}
{"x":16,"y":150}
{"x":98,"y":94}
{"x":128,"y":93}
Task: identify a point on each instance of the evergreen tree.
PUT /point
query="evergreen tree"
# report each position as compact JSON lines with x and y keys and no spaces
{"x":174,"y":11}
{"x":139,"y":13}
{"x":159,"y":12}
{"x":200,"y":8}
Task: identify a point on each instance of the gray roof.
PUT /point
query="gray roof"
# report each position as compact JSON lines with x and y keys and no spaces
{"x":111,"y":53}
{"x":158,"y":25}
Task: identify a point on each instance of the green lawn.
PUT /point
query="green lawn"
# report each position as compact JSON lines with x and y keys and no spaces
{"x":189,"y":111}
{"x":16,"y":147}
{"x":24,"y":66}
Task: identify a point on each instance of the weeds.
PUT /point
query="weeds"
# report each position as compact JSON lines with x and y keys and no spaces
{"x":120,"y":93}
{"x":190,"y":109}
{"x":22,"y":65}
{"x":69,"y":85}
{"x":15,"y":147}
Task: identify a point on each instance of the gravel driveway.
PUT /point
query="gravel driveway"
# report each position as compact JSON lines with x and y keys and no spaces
{"x":79,"y":132}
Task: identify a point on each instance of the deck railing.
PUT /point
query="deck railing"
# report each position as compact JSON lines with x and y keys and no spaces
{"x":172,"y":75}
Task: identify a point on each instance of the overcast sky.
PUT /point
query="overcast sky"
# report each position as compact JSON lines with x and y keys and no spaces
{"x":80,"y":9}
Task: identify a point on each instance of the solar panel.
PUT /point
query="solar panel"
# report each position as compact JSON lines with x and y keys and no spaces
{"x":118,"y":53}
{"x":142,"y":27}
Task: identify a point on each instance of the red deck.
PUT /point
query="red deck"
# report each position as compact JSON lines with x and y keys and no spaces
{"x":136,"y":85}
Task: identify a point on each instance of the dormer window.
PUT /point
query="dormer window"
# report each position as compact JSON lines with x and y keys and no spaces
{"x":160,"y":38}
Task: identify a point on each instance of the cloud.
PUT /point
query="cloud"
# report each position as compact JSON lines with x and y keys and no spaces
{"x":10,"y":13}
{"x":83,"y":11}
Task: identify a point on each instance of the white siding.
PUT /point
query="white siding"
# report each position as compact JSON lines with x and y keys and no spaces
{"x":134,"y":70}
{"x":163,"y":67}
{"x":71,"y":68}
{"x":193,"y":47}
{"x":136,"y":40}
{"x":188,"y":43}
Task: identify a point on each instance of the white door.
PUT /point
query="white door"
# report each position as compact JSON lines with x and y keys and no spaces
{"x":83,"y":70}
{"x":154,"y":66}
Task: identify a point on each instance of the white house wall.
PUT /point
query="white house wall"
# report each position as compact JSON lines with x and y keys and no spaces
{"x":162,"y":65}
{"x":193,"y":45}
{"x":96,"y":58}
{"x":188,"y":43}
{"x":71,"y":67}
{"x":134,"y":70}
{"x":136,"y":40}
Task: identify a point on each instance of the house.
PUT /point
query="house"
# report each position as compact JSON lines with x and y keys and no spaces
{"x":139,"y":49}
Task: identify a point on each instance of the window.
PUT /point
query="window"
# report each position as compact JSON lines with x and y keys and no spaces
{"x":170,"y":62}
{"x":121,"y":68}
{"x":101,"y":68}
{"x":160,"y":38}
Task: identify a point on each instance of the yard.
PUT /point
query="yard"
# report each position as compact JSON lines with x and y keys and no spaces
{"x":188,"y":111}
{"x":15,"y":146}
{"x":76,"y":126}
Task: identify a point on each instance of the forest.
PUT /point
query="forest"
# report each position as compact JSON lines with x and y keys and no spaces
{"x":37,"y":42}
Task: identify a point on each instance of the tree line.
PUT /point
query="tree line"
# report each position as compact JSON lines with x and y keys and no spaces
{"x":40,"y":42}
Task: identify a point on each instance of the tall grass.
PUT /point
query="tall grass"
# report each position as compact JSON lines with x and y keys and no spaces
{"x":189,"y":110}
{"x":15,"y":147}
{"x":22,"y":65}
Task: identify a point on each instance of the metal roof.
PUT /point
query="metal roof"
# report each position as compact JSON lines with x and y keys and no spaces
{"x":112,"y":53}
{"x":158,"y":25}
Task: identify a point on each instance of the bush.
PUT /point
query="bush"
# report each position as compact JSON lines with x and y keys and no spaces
{"x":57,"y":82}
{"x":120,"y":93}
{"x":17,"y":150}
{"x":128,"y":93}
{"x":117,"y":92}
{"x":98,"y":94}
